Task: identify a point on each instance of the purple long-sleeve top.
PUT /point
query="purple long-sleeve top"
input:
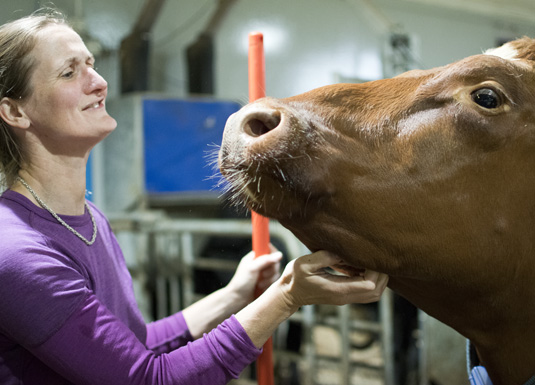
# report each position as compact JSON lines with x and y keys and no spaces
{"x":68,"y":313}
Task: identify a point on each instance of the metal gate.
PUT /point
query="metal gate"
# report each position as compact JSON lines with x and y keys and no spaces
{"x":163,"y":255}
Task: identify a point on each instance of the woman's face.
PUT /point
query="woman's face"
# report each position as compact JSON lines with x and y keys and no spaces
{"x":66,"y":106}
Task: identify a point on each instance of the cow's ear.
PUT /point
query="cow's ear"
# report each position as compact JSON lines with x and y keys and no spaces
{"x":525,"y":48}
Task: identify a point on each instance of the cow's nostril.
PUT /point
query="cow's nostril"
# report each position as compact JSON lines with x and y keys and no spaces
{"x":260,"y":125}
{"x":257,"y":127}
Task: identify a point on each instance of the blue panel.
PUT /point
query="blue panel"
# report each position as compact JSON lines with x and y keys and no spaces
{"x":179,"y":135}
{"x":89,"y":179}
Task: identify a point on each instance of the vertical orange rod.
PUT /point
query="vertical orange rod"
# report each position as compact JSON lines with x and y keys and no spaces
{"x":257,"y":90}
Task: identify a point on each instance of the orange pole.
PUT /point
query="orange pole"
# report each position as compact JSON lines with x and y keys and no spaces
{"x":257,"y":90}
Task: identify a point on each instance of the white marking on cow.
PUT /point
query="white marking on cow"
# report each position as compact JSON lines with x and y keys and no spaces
{"x":505,"y":52}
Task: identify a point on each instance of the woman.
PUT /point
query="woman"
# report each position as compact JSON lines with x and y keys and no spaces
{"x":67,"y":310}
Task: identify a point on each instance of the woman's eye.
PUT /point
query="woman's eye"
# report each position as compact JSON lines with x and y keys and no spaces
{"x":67,"y":74}
{"x":486,"y":98}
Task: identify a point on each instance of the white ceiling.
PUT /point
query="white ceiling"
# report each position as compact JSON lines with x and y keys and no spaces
{"x":510,"y":9}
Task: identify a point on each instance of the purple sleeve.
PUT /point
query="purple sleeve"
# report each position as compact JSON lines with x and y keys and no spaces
{"x":168,"y":334}
{"x":93,"y":347}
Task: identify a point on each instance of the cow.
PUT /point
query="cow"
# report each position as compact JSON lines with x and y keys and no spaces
{"x":428,"y":176}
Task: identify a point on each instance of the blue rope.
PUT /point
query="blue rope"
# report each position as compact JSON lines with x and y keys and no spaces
{"x":477,"y":374}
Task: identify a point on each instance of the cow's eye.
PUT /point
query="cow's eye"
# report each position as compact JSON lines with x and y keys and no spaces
{"x":486,"y":98}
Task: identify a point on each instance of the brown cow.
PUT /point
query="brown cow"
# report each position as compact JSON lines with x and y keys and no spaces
{"x":428,"y":177}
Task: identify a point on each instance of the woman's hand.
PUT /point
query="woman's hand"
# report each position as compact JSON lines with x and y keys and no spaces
{"x":207,"y":313}
{"x":306,"y":281}
{"x":254,"y":272}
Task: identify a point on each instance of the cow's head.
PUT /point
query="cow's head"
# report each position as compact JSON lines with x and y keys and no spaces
{"x":396,"y":170}
{"x":428,"y":176}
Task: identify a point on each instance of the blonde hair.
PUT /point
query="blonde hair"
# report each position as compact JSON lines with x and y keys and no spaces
{"x":17,"y":40}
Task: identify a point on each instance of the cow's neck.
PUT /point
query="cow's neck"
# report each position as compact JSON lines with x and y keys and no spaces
{"x":498,"y":339}
{"x":485,"y":298}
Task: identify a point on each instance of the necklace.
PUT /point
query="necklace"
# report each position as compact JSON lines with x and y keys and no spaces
{"x":88,"y":243}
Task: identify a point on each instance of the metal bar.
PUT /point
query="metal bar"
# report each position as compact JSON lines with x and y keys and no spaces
{"x":308,"y":319}
{"x":188,"y":260}
{"x":156,"y":222}
{"x":215,"y":264}
{"x":174,"y":294}
{"x":354,"y":324}
{"x":161,"y":297}
{"x":343,"y":325}
{"x":386,"y":315}
{"x":423,"y":369}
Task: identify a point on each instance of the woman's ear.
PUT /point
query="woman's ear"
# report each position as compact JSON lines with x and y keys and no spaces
{"x":12,"y":113}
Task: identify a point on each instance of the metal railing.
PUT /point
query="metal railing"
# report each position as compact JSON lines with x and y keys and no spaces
{"x":163,"y":253}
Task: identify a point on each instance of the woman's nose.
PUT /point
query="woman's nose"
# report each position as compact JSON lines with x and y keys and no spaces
{"x":95,"y":81}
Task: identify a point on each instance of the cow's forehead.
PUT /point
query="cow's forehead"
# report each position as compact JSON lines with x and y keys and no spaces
{"x":501,"y":64}
{"x":491,"y":62}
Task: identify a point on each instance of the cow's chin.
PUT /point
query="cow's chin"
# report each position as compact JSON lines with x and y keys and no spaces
{"x":273,"y":197}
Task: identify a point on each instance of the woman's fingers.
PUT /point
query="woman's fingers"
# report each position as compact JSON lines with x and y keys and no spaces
{"x":267,"y":261}
{"x":313,"y":284}
{"x":317,"y":262}
{"x":269,"y":270}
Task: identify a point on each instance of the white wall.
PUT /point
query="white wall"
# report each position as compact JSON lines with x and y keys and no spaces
{"x":314,"y":40}
{"x":307,"y":45}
